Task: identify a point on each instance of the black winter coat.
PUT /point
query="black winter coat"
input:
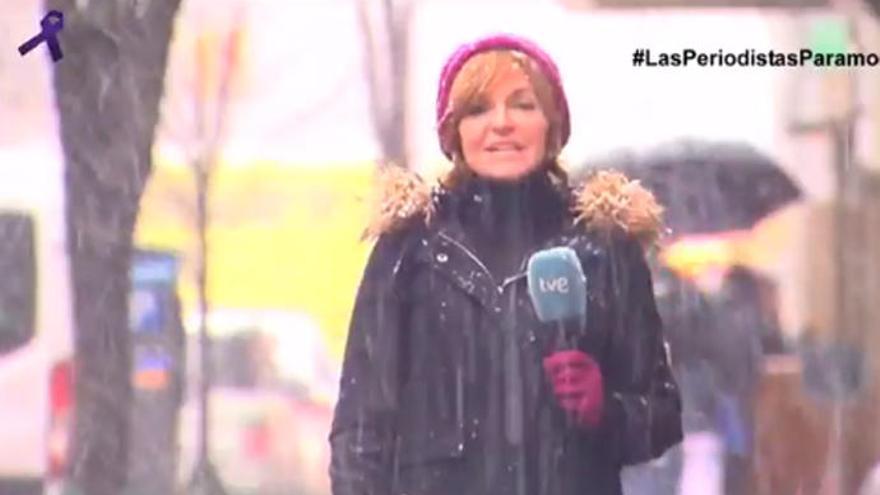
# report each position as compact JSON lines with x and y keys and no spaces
{"x":442,"y":389}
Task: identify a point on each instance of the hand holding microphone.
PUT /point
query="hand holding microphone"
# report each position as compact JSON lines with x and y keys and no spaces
{"x":577,"y":385}
{"x":558,"y":290}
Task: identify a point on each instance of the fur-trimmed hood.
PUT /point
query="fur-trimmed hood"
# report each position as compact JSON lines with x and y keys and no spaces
{"x":605,"y":201}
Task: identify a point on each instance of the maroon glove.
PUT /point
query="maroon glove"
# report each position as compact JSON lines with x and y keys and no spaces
{"x":577,"y":384}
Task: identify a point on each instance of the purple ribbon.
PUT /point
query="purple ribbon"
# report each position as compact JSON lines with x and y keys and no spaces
{"x":51,"y":25}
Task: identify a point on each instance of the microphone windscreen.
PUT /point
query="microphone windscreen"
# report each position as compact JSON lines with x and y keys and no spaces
{"x":557,"y":285}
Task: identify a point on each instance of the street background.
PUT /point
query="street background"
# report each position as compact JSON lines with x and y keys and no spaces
{"x":289,"y":107}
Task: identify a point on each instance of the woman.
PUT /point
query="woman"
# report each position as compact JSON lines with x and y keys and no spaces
{"x":450,"y":383}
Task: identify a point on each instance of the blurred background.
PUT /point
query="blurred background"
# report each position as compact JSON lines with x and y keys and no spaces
{"x":182,"y":198}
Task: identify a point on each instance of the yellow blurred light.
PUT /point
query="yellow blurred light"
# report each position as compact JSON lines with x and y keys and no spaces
{"x":693,"y":255}
{"x":281,"y":236}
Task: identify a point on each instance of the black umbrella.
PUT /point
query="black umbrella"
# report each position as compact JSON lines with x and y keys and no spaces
{"x":710,"y":187}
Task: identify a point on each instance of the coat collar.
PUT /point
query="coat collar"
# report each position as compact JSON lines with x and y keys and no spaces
{"x":447,"y":249}
{"x":605,"y":205}
{"x":464,"y":215}
{"x":607,"y":202}
{"x":445,"y":253}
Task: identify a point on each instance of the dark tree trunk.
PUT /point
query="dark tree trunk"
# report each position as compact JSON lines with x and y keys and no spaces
{"x":107,"y":87}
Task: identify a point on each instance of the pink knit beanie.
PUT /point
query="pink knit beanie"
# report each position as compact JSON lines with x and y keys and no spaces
{"x":500,"y":42}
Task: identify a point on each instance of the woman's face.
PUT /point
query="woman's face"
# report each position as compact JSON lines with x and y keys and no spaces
{"x":503,"y":134}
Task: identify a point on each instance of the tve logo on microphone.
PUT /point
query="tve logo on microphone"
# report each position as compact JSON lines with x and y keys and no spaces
{"x":557,"y":285}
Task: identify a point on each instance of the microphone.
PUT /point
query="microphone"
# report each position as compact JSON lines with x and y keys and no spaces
{"x":557,"y":287}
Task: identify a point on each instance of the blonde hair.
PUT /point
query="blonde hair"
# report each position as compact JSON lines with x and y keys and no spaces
{"x":475,"y":76}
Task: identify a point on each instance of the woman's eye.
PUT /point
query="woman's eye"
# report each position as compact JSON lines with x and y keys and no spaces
{"x":476,"y":109}
{"x":525,"y":105}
